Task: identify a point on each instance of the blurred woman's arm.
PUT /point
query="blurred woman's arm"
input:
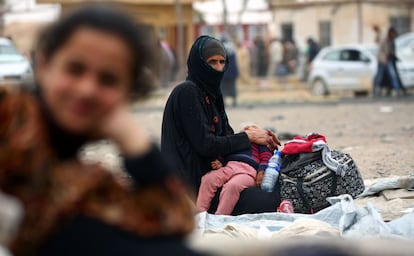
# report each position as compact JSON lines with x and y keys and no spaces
{"x":142,"y":159}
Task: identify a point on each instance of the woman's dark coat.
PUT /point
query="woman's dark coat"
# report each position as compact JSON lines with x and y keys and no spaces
{"x":196,"y":131}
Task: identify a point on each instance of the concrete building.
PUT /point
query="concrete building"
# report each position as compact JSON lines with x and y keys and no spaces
{"x":333,"y":22}
{"x":244,"y":21}
{"x":159,"y":15}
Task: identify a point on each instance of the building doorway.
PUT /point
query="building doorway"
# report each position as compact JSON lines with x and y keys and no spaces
{"x":287,"y":31}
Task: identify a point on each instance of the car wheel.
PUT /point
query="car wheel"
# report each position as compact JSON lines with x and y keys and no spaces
{"x":361,"y":94}
{"x":319,"y":88}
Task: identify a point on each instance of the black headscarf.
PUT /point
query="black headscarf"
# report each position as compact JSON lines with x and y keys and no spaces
{"x":201,"y":73}
{"x":208,"y":80}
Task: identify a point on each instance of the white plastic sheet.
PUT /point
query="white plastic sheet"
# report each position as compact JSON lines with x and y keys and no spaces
{"x":406,"y":182}
{"x":350,"y":220}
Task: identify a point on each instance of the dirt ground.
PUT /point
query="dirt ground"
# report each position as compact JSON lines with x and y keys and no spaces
{"x":379,"y":142}
{"x":378,"y":134}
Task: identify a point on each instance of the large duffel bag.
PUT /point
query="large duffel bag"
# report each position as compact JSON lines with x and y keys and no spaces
{"x":306,"y":181}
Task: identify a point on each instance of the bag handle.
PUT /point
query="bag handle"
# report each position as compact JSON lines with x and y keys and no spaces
{"x":299,"y":186}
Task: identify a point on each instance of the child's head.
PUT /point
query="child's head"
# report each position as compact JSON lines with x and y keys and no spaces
{"x":90,"y":62}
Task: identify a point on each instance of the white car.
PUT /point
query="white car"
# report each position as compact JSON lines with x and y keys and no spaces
{"x":342,"y":68}
{"x":353,"y":68}
{"x":405,"y":53}
{"x":15,"y":69}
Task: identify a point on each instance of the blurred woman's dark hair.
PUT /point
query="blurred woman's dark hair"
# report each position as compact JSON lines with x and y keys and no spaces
{"x":113,"y":21}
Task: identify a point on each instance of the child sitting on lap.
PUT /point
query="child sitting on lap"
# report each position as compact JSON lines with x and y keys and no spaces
{"x":237,"y":174}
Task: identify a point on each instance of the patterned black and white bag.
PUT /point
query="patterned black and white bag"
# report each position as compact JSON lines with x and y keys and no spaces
{"x":306,"y":181}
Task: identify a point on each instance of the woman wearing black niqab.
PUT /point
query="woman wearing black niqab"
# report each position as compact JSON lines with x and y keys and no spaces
{"x":196,"y":131}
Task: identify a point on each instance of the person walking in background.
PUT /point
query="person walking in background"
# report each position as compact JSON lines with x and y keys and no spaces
{"x":243,"y":62}
{"x":167,"y":61}
{"x":378,"y":79}
{"x":313,"y":49}
{"x":251,"y":46}
{"x":311,"y":52}
{"x":291,"y":56}
{"x":275,"y":57}
{"x":377,"y":32}
{"x":387,"y":64}
{"x":261,"y":56}
{"x":228,"y":84}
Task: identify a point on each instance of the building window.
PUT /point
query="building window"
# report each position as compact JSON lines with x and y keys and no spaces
{"x":287,"y":31}
{"x":401,"y":24}
{"x":325,"y":33}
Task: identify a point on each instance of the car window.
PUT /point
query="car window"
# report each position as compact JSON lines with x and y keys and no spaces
{"x":9,"y":54}
{"x":8,"y":49}
{"x":353,"y":55}
{"x":363,"y":57}
{"x":332,"y":56}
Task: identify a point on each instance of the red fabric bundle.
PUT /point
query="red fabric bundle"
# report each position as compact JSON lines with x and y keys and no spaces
{"x":310,"y":143}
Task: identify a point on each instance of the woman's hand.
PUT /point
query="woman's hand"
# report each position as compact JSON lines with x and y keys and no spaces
{"x":122,"y":127}
{"x":263,"y":137}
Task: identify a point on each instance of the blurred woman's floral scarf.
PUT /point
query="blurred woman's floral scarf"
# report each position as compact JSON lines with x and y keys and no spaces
{"x":52,"y":192}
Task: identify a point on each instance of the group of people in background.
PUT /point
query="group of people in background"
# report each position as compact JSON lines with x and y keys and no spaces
{"x":258,"y":59}
{"x":277,"y":58}
{"x":249,"y":59}
{"x":280,"y":58}
{"x":283,"y":57}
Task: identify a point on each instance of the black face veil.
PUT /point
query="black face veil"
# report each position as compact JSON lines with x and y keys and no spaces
{"x":201,"y":73}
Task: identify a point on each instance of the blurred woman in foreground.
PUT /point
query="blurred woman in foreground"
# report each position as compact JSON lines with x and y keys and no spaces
{"x":88,"y":66}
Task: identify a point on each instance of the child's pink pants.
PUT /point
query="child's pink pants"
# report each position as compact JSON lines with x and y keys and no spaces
{"x":234,"y":178}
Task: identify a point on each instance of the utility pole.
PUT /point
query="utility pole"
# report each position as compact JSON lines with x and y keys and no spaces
{"x":180,"y":38}
{"x":360,"y":22}
{"x":2,"y":12}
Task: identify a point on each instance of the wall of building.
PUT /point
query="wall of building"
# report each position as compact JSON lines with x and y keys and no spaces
{"x":346,"y":27}
{"x":161,"y":18}
{"x":377,"y":14}
{"x":306,"y":22}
